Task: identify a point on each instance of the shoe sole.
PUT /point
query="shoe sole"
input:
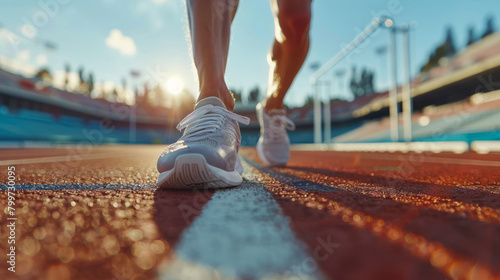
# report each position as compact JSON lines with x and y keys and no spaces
{"x":191,"y":171}
{"x":260,"y":152}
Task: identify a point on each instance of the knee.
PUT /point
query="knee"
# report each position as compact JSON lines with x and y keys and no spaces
{"x":294,"y":21}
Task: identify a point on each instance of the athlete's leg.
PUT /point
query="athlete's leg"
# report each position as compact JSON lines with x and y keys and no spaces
{"x":210,"y":25}
{"x":292,"y":19}
{"x":206,"y":155}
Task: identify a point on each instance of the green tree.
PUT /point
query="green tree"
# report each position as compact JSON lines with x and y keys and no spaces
{"x":90,"y":83}
{"x":363,"y":84}
{"x":444,"y":50}
{"x":67,"y":70}
{"x":309,"y":100}
{"x":236,"y":95}
{"x":354,"y":84}
{"x":82,"y":87}
{"x":114,"y":95}
{"x":471,"y":36}
{"x":124,"y":84}
{"x":254,"y":94}
{"x":369,"y":87}
{"x":449,"y":44}
{"x":490,"y":27}
{"x":44,"y":75}
{"x":160,"y":96}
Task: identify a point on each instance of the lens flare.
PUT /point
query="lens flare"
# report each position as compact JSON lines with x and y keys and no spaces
{"x":174,"y":85}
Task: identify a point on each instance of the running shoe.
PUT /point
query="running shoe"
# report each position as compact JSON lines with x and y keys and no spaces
{"x":207,"y":153}
{"x":274,"y":145}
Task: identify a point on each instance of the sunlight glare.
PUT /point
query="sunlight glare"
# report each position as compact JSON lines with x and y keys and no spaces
{"x":174,"y":85}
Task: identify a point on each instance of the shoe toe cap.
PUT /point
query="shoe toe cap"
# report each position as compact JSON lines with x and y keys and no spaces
{"x":212,"y":156}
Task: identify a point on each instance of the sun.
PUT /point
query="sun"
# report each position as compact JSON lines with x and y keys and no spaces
{"x":174,"y":85}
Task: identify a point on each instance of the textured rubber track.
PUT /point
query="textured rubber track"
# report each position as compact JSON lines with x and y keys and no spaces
{"x":97,"y":214}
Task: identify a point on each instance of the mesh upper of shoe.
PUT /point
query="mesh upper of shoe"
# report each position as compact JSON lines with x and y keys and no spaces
{"x":210,"y":130}
{"x":275,"y":125}
{"x":274,"y":144}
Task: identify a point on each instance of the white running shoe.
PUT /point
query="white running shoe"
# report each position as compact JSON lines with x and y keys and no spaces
{"x":207,"y":153}
{"x":274,"y":145}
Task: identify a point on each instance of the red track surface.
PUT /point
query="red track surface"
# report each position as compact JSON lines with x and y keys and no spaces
{"x":390,"y":216}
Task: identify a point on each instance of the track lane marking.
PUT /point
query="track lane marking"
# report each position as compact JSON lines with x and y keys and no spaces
{"x":446,"y":160}
{"x":480,"y":213}
{"x":477,"y":211}
{"x":462,"y":161}
{"x":240,"y":233}
{"x":456,"y":161}
{"x":69,"y":157}
{"x":416,"y":245}
{"x":83,"y":187}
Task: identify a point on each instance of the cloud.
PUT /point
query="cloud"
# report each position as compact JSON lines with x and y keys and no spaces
{"x":156,"y":11}
{"x":116,"y":40}
{"x":41,"y":60}
{"x":158,"y":2}
{"x":24,"y":55}
{"x":7,"y":35}
{"x":11,"y":41}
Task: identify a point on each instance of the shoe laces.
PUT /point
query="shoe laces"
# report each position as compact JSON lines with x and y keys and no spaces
{"x":206,"y":120}
{"x":278,"y":123}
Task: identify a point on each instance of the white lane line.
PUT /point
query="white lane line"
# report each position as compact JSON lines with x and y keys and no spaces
{"x":484,"y":147}
{"x":241,"y":233}
{"x":435,"y":147}
{"x":462,"y":161}
{"x":84,"y":187}
{"x":428,"y":159}
{"x":69,"y":157}
{"x":421,"y":157}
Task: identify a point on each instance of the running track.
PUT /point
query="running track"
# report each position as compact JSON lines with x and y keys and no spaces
{"x":94,"y":213}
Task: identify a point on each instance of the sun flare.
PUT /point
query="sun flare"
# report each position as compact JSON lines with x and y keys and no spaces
{"x":174,"y":85}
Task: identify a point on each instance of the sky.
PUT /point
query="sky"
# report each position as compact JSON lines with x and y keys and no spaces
{"x":111,"y":38}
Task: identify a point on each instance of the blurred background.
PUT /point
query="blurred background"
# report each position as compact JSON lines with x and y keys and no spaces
{"x":113,"y":71}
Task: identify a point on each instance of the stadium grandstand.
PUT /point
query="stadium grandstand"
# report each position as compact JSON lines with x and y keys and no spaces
{"x":456,"y":100}
{"x":28,"y":102}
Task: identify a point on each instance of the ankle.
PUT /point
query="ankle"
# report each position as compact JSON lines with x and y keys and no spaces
{"x":222,"y":93}
{"x":272,"y":104}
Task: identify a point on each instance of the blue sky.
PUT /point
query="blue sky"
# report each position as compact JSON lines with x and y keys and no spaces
{"x":159,"y":49}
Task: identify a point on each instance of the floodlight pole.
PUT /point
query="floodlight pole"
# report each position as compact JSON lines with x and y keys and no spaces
{"x":376,"y":23}
{"x":317,"y":113}
{"x":133,"y":123}
{"x":406,"y":94}
{"x":393,"y":93}
{"x":393,"y":74}
{"x":327,"y":115}
{"x":133,"y":120}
